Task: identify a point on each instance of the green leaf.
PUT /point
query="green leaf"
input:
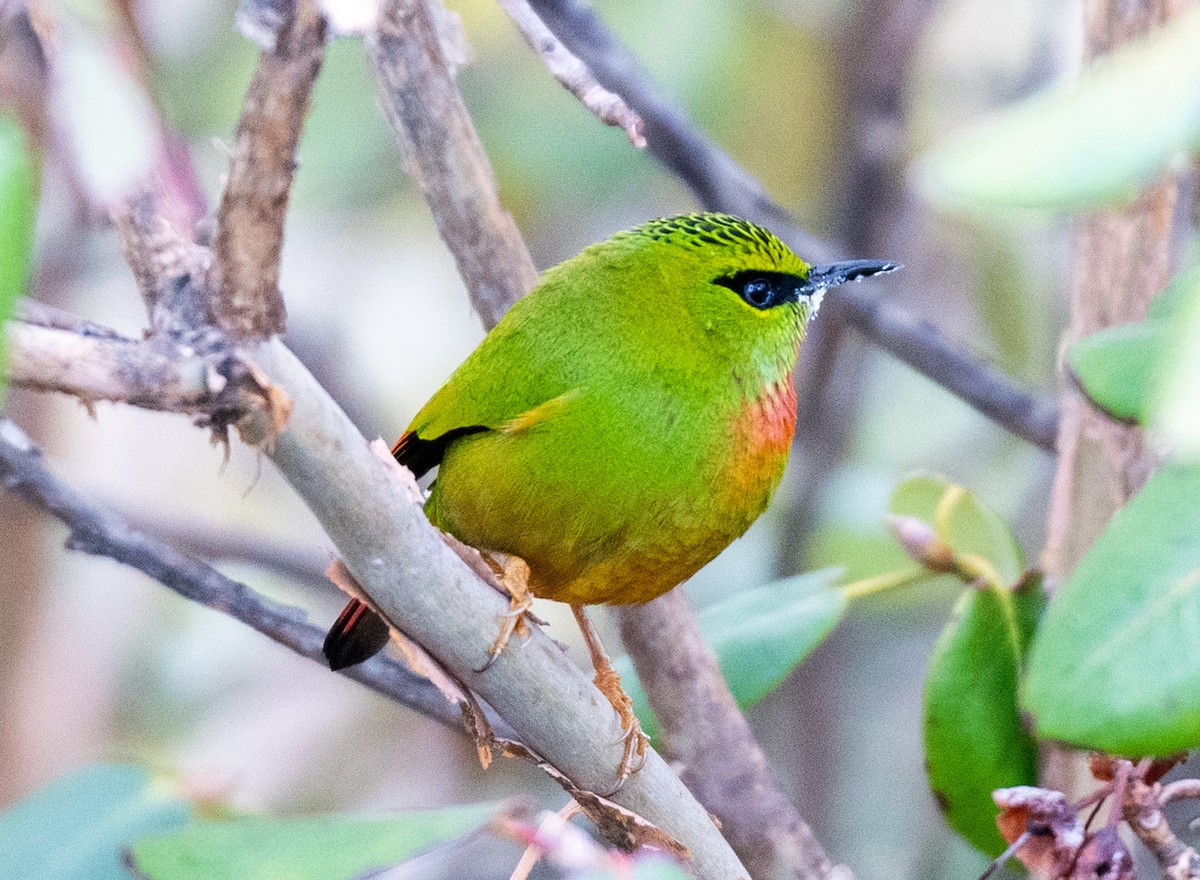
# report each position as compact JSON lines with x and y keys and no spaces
{"x":759,"y":636}
{"x":972,"y":529}
{"x":974,"y":739}
{"x":18,"y":204}
{"x":1116,"y":367}
{"x":1114,"y":666}
{"x":323,"y":848}
{"x":1175,"y":402}
{"x":77,"y":828}
{"x":1172,"y":301}
{"x":1125,"y":370}
{"x":1097,"y":139}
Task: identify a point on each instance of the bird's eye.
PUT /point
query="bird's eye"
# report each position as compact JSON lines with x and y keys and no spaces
{"x":757,"y":292}
{"x":762,"y":289}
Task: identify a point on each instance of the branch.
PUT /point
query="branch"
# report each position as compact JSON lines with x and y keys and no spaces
{"x":99,"y":532}
{"x":722,"y":185}
{"x":250,"y":220}
{"x":370,"y":508}
{"x":160,"y":373}
{"x":573,"y":74}
{"x":922,"y":346}
{"x":415,"y":52}
{"x":299,"y":563}
{"x":704,"y":731}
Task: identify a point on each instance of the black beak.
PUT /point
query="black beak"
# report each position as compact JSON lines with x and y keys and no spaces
{"x":833,"y":274}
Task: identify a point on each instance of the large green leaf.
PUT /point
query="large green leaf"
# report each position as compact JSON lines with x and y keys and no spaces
{"x":324,"y":848}
{"x":759,"y":636}
{"x":1115,"y":665}
{"x":975,"y":532}
{"x":975,"y":741}
{"x":1099,"y":138}
{"x":77,"y":828}
{"x":18,"y":204}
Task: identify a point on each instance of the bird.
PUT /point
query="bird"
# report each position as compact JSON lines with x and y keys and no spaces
{"x":623,"y":423}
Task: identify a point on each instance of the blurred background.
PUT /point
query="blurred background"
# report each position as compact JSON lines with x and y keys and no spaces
{"x":98,"y":662}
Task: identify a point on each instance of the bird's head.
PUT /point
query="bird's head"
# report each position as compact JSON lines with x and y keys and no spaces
{"x":734,"y":279}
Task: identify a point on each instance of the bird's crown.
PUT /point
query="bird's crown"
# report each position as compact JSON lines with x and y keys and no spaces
{"x":703,"y":231}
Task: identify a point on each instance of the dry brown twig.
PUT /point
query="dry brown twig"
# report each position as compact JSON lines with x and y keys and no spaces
{"x":1044,"y":830}
{"x":250,"y":219}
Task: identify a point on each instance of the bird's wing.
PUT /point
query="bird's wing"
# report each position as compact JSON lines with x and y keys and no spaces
{"x":511,"y":383}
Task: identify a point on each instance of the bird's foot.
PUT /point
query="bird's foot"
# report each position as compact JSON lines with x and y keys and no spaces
{"x":513,"y":575}
{"x":632,"y":735}
{"x":608,"y":681}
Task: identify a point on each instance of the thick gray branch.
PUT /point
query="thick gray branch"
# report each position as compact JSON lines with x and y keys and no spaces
{"x":159,"y":373}
{"x":430,"y":594}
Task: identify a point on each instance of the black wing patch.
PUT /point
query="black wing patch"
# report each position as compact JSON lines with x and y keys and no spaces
{"x":359,"y":633}
{"x":420,"y":455}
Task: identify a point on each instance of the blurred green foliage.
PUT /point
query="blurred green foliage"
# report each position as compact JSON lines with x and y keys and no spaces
{"x":78,"y":827}
{"x":759,"y":636}
{"x":323,"y":848}
{"x":18,"y":208}
{"x":1094,"y":140}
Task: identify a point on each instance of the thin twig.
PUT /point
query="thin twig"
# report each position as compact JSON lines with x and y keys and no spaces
{"x":1178,"y":790}
{"x":609,"y":107}
{"x":100,"y":532}
{"x":249,"y":236}
{"x":299,"y":563}
{"x":1142,"y":810}
{"x":922,"y":346}
{"x":704,"y":732}
{"x":721,"y":184}
{"x":717,"y":180}
{"x":415,"y":52}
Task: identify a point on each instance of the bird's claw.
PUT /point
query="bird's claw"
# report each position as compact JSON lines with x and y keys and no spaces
{"x":513,"y":574}
{"x":633,"y":756}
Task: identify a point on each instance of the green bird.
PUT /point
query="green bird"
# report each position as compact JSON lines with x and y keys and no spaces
{"x":625,"y":421}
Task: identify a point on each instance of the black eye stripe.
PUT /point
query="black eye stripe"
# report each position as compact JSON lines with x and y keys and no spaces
{"x":764,"y":290}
